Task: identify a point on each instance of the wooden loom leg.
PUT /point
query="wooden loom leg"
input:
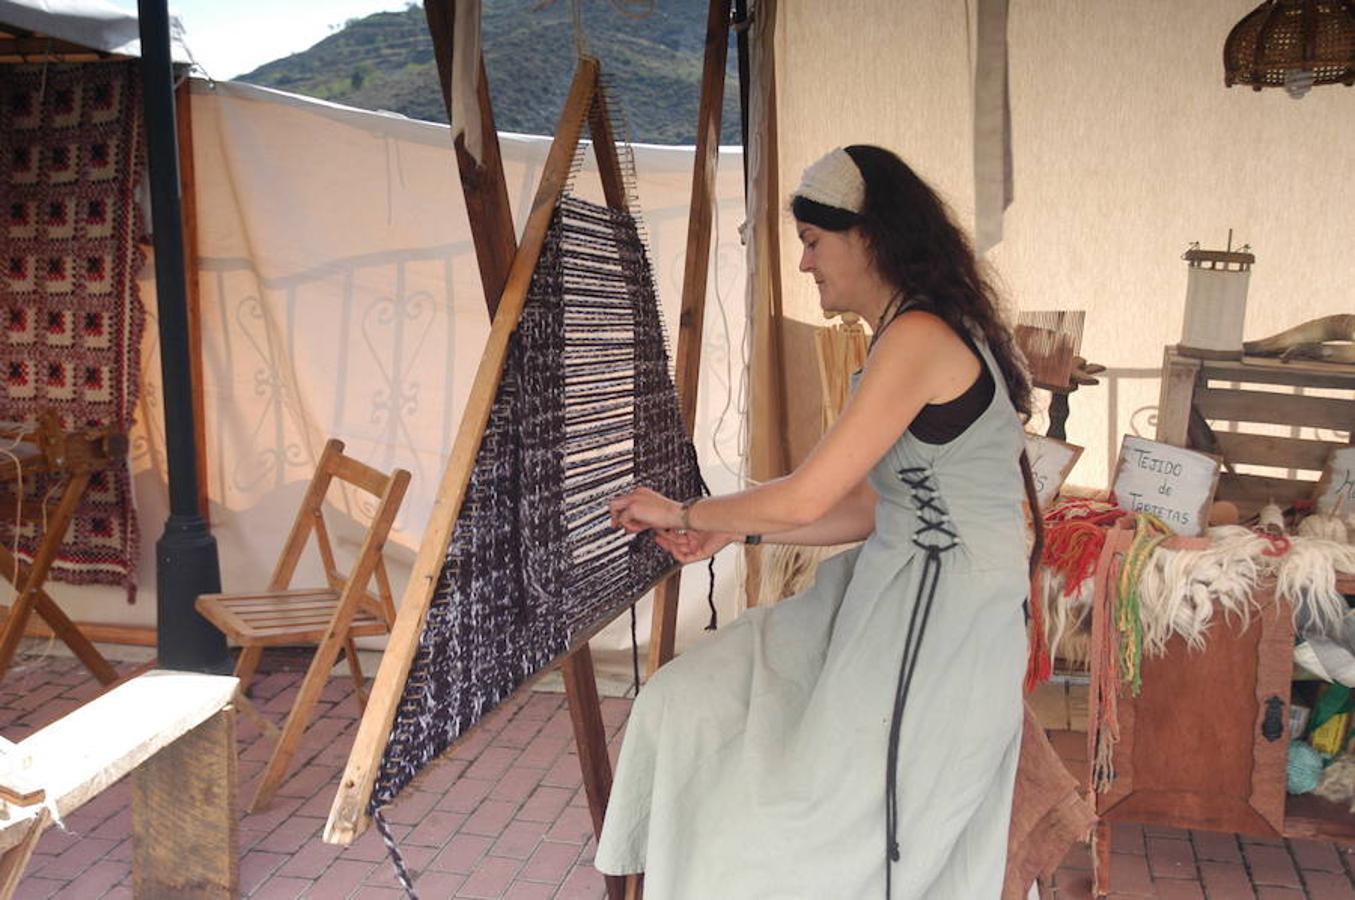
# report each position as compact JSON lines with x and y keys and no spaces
{"x":581,"y":690}
{"x":32,"y":598}
{"x":183,"y":816}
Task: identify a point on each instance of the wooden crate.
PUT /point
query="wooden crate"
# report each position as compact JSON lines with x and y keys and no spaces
{"x":1239,"y":399}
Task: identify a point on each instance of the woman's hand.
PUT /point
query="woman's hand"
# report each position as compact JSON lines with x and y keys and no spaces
{"x":690,"y":546}
{"x":643,"y":509}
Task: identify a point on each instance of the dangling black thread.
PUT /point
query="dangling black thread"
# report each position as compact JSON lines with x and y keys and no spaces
{"x":397,"y":859}
{"x":714,"y":622}
{"x":634,"y":651}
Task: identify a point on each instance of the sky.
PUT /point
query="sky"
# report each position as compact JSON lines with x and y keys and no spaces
{"x":232,"y":37}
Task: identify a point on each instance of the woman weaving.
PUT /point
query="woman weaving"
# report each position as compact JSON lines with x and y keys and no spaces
{"x":860,"y":739}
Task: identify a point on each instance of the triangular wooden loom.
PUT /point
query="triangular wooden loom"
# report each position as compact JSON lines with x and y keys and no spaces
{"x":486,"y":197}
{"x":348,"y":815}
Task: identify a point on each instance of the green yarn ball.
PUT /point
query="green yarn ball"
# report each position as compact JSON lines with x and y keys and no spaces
{"x":1304,"y":770}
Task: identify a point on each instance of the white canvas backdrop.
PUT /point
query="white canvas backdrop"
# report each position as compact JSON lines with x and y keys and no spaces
{"x":1126,"y":147}
{"x":341,"y":297}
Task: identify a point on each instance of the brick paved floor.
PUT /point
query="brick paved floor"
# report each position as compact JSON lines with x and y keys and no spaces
{"x":503,"y":816}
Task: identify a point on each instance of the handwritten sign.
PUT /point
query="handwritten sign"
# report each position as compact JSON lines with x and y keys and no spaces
{"x":1050,"y":462}
{"x":1337,"y":484}
{"x":1172,"y":483}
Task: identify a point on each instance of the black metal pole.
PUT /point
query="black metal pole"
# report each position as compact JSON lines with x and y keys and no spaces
{"x":185,"y":556}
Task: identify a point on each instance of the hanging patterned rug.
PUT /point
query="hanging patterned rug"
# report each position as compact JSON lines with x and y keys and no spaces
{"x":585,"y":410}
{"x":70,"y":161}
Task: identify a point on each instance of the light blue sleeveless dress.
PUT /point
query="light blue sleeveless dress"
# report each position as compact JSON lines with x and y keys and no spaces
{"x":758,"y":763}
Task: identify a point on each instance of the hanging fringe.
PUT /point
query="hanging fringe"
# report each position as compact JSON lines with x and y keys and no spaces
{"x":1039,"y":665}
{"x":1150,"y":532}
{"x":1103,"y":731}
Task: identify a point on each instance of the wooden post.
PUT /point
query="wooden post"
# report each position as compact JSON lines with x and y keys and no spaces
{"x":183,"y":123}
{"x":348,"y":816}
{"x":695,"y":273}
{"x":483,"y":184}
{"x":183,"y":816}
{"x":585,"y":713}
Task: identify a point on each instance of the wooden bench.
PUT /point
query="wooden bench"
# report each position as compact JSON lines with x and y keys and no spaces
{"x":174,"y":732}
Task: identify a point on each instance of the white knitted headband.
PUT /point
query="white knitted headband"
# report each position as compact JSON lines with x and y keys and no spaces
{"x":834,"y":180}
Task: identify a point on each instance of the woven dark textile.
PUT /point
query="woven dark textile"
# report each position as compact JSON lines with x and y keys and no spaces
{"x":586,"y":409}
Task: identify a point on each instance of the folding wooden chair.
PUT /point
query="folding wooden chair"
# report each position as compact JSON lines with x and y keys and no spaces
{"x":330,"y":617}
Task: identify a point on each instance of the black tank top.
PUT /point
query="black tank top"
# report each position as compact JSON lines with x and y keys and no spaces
{"x":940,"y":423}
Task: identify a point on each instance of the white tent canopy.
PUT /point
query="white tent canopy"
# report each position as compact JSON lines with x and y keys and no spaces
{"x":95,"y":24}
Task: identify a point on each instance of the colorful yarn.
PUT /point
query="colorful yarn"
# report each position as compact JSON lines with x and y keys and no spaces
{"x":1303,"y":770}
{"x":1150,"y":532}
{"x":1104,"y":732}
{"x":1075,"y":532}
{"x":1039,"y":664}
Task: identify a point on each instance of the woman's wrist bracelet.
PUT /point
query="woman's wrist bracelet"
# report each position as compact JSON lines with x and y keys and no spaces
{"x":752,"y":540}
{"x":685,"y":513}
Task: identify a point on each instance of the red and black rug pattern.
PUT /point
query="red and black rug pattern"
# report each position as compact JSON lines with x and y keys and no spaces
{"x":71,"y":161}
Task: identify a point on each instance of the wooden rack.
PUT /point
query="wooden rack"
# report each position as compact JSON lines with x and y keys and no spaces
{"x":1224,"y":406}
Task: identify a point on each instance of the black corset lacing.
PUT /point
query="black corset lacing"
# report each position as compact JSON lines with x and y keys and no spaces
{"x":935,"y":536}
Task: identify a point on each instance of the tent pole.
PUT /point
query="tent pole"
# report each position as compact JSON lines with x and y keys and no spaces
{"x":186,"y":562}
{"x":183,"y":117}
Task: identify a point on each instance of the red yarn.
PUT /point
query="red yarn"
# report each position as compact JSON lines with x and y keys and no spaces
{"x":1039,"y":665}
{"x":1075,"y":532}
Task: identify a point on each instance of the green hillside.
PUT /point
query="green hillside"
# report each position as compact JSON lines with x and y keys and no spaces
{"x":653,"y":64}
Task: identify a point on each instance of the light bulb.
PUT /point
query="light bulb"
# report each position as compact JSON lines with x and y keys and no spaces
{"x":1298,"y":82}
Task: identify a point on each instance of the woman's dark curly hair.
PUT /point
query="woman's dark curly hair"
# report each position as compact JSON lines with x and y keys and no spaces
{"x":919,"y":250}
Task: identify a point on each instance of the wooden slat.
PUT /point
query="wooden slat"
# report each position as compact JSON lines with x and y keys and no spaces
{"x":1260,"y":489}
{"x":1273,"y":371}
{"x":1268,"y":450}
{"x":1174,"y":397}
{"x":1276,"y":409}
{"x":348,"y":816}
{"x":348,"y":469}
{"x":269,"y":598}
{"x":127,"y":635}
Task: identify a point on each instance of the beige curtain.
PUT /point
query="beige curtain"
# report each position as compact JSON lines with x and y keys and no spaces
{"x":1117,"y":166}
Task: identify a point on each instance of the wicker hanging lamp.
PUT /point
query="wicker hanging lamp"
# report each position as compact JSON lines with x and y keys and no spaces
{"x":1293,"y":44}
